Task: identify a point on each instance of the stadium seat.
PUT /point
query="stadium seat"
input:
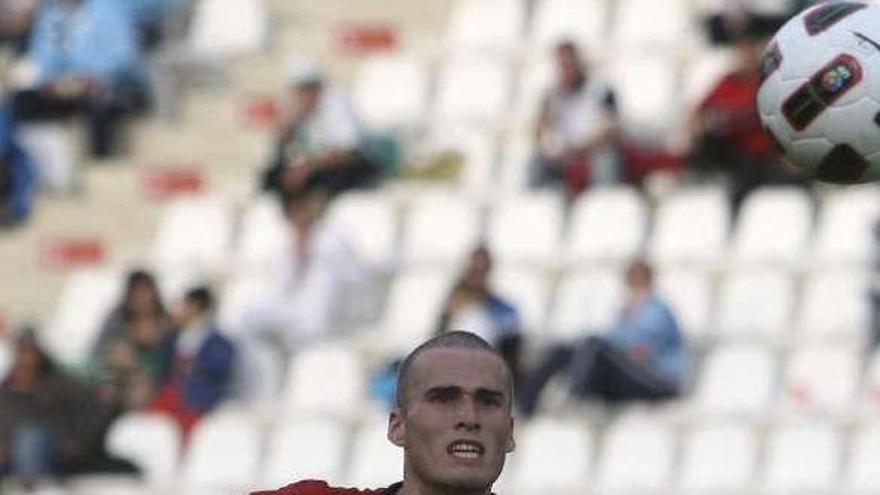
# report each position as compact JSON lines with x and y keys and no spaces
{"x":607,"y":225}
{"x":647,"y":24}
{"x":194,"y":236}
{"x":835,"y":306}
{"x":871,"y":387}
{"x":473,"y":92}
{"x":689,"y":293}
{"x":587,"y":302}
{"x":690,"y":227}
{"x":773,"y":227}
{"x":553,"y":456}
{"x":526,"y":229}
{"x":535,"y":78}
{"x":754,"y":303}
{"x":441,"y":230}
{"x":338,"y":394}
{"x":582,"y":21}
{"x":264,"y":236}
{"x":221,"y":29}
{"x":87,"y":298}
{"x":103,"y":484}
{"x":823,"y":379}
{"x":845,"y":230}
{"x":655,"y":444}
{"x":703,"y":71}
{"x":719,"y":458}
{"x":864,"y":456}
{"x":650,"y":111}
{"x":529,"y":291}
{"x":304,"y":448}
{"x":802,"y":457}
{"x":486,"y":26}
{"x":515,"y":162}
{"x":737,"y":380}
{"x":391,"y":93}
{"x":475,"y":148}
{"x":152,"y":442}
{"x":223,"y":454}
{"x":413,"y":310}
{"x":369,"y":221}
{"x":374,"y":460}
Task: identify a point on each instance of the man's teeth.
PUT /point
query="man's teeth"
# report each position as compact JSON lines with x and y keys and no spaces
{"x":466,"y":451}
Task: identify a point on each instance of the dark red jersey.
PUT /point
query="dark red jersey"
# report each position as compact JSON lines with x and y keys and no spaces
{"x":314,"y":487}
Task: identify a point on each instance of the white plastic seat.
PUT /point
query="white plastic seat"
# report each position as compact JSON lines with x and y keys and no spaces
{"x":823,"y":378}
{"x":737,"y":380}
{"x":755,"y":304}
{"x":149,"y":440}
{"x":492,"y":26}
{"x":653,"y":110}
{"x":719,"y":459}
{"x":567,"y":470}
{"x":587,"y":302}
{"x":529,"y":292}
{"x":581,"y":21}
{"x":526,"y":229}
{"x":412,"y":312}
{"x":703,"y":71}
{"x":845,"y":227}
{"x":391,"y":93}
{"x":87,"y":299}
{"x":369,"y":221}
{"x":607,"y":225}
{"x":870,"y":393}
{"x":223,"y":454}
{"x":441,"y":230}
{"x":534,"y":80}
{"x":773,"y":227}
{"x":265,"y":236}
{"x":803,"y":457}
{"x":862,"y":474}
{"x":227,"y":28}
{"x":375,"y":461}
{"x":515,"y":162}
{"x":656,"y":447}
{"x":475,"y":148}
{"x":194,"y":236}
{"x":338,"y":394}
{"x":689,"y":294}
{"x":472,"y":91}
{"x":305,"y":448}
{"x":835,"y":306}
{"x":691,"y":227}
{"x":647,"y":24}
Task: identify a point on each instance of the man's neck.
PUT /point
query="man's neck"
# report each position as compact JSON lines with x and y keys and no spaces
{"x":415,"y":488}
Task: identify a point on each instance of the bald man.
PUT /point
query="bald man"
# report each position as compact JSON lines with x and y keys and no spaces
{"x":453,"y":419}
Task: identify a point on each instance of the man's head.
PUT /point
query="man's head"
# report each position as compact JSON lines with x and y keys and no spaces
{"x":306,"y":81}
{"x":304,"y":207}
{"x":639,"y":276}
{"x":197,"y":304}
{"x":477,"y":270}
{"x":570,"y":66}
{"x":454,"y":414}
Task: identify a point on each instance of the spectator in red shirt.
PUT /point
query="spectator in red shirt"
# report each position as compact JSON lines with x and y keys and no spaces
{"x":453,"y":419}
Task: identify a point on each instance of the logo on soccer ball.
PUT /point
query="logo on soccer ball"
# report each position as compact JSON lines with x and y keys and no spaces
{"x":836,"y":78}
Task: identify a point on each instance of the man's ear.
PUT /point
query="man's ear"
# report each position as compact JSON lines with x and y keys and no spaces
{"x":511,"y":443}
{"x":396,"y":427}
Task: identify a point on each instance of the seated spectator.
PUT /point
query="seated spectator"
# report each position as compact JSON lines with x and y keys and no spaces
{"x":643,"y":357}
{"x":473,"y":306}
{"x":196,"y":363}
{"x":17,"y":176}
{"x":150,"y":18}
{"x":50,"y":424}
{"x":16,"y":21}
{"x":577,"y":129}
{"x":88,"y":62}
{"x":726,"y":131}
{"x":319,"y":140}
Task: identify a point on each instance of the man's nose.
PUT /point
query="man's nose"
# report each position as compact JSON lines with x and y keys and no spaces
{"x":468,"y":417}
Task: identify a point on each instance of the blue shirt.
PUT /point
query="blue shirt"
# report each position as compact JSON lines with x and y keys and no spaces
{"x":22,"y":170}
{"x":96,"y":39}
{"x":149,"y":11}
{"x":654,"y":325}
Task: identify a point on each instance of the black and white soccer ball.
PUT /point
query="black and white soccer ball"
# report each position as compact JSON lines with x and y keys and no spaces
{"x":819,"y":97}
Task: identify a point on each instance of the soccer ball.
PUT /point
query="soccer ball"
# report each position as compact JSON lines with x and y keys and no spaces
{"x":819,"y":98}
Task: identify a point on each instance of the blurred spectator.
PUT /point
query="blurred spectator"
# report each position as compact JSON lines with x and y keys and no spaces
{"x":50,"y":424}
{"x":473,"y":306}
{"x":727,"y":135}
{"x":17,"y":176}
{"x":16,"y":21}
{"x":196,"y":363}
{"x":319,"y":140}
{"x":150,"y":18}
{"x":577,"y":129}
{"x":644,"y":356}
{"x":87,"y":62}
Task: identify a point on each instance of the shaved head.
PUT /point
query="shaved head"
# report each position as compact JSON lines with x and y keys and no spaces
{"x":456,"y":339}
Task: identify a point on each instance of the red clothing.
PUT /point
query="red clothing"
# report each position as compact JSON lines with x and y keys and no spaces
{"x":313,"y":487}
{"x":730,"y":111}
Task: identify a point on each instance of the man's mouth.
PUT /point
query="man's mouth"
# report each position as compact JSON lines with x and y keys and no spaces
{"x":466,"y":449}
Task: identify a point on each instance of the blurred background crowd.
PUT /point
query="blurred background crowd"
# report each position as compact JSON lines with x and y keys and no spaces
{"x":224,"y":222}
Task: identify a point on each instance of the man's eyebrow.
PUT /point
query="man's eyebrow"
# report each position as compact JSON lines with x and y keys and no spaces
{"x":443,"y":389}
{"x":487,"y":392}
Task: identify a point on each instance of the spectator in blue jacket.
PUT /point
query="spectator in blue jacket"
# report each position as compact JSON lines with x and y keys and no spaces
{"x":88,"y":61}
{"x":197,"y":363}
{"x":644,"y":357}
{"x":17,"y":176}
{"x":150,"y":18}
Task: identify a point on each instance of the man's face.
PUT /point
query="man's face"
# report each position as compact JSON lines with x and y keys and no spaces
{"x":568,"y":66}
{"x":307,"y":96}
{"x":456,"y":427}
